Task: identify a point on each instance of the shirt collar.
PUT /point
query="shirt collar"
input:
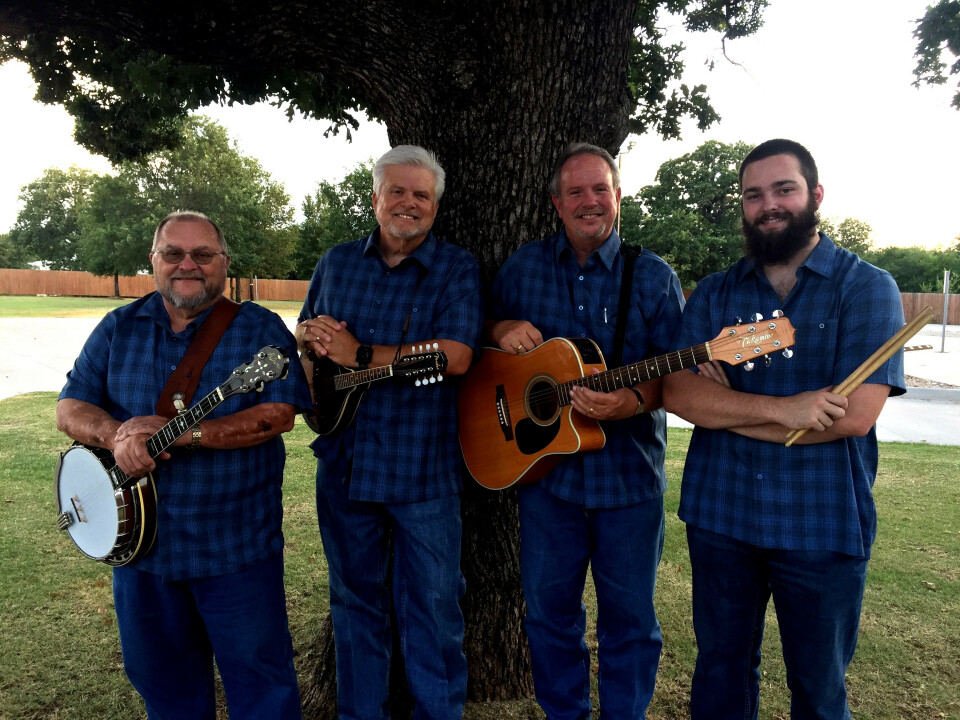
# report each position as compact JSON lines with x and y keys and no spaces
{"x":607,"y":252}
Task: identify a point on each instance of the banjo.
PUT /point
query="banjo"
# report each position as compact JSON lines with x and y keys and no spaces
{"x":112,"y":517}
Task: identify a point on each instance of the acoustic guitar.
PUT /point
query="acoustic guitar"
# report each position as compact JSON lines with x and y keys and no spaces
{"x":112,"y":517}
{"x":515,"y":419}
{"x":337,"y":390}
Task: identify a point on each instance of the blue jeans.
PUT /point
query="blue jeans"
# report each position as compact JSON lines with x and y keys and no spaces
{"x":427,"y":587}
{"x":171,"y":631}
{"x":558,"y":540}
{"x":817,"y":596}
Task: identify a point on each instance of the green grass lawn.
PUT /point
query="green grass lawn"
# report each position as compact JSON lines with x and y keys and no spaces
{"x":61,"y":654}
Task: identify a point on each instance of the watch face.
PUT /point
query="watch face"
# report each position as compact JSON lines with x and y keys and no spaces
{"x":364,"y":354}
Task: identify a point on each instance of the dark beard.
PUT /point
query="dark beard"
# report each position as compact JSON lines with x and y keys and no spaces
{"x":777,"y":248}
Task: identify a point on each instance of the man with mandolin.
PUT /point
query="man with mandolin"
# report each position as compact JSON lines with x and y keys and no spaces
{"x":601,"y":509}
{"x":391,"y":467}
{"x":764,"y":519}
{"x":212,"y":584}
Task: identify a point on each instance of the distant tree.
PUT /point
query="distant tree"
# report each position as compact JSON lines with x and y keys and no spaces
{"x":205,"y":173}
{"x":335,"y":214}
{"x":117,"y":228}
{"x":11,"y":256}
{"x":917,"y":269}
{"x":691,"y":216}
{"x":850,"y":233}
{"x":47,"y":227}
{"x":938,"y":30}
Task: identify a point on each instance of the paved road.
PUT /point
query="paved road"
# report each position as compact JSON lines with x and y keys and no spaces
{"x":37,"y":353}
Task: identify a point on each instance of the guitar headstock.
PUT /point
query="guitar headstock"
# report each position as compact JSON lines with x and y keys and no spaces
{"x":426,"y":365}
{"x":745,"y":343}
{"x":269,"y":364}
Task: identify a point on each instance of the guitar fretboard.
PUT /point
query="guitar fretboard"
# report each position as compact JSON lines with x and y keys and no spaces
{"x":630,"y":375}
{"x":362,"y":377}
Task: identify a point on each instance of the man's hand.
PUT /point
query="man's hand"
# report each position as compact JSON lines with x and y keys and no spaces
{"x":615,"y":405}
{"x":515,"y":336}
{"x":813,"y":410}
{"x":327,"y":337}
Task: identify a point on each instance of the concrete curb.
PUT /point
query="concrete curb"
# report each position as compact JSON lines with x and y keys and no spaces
{"x":947,"y":395}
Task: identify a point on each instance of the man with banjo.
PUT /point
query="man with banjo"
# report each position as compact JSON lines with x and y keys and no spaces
{"x":212,"y":585}
{"x":396,"y":470}
{"x":763,"y":519}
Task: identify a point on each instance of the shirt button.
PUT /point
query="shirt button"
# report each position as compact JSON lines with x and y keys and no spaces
{"x":821,"y":326}
{"x":371,"y":331}
{"x":581,"y":307}
{"x":760,"y":476}
{"x":581,"y":277}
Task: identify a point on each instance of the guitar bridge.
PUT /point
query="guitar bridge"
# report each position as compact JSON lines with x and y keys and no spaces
{"x":503,"y":415}
{"x":64,"y":520}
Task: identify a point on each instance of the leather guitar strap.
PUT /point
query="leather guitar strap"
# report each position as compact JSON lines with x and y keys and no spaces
{"x":187,"y":375}
{"x":630,"y":254}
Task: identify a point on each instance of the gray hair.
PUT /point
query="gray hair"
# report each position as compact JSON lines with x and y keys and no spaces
{"x":581,"y":148}
{"x":410,"y":155}
{"x":189,"y":216}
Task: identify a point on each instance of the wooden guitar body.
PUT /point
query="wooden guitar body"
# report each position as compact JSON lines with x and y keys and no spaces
{"x":512,"y":429}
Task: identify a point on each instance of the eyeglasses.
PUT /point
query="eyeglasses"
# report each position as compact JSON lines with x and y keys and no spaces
{"x":175,"y":256}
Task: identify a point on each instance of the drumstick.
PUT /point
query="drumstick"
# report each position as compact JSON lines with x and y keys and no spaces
{"x":872,"y":363}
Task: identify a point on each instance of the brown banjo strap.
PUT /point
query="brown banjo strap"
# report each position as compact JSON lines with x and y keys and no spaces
{"x":185,"y":379}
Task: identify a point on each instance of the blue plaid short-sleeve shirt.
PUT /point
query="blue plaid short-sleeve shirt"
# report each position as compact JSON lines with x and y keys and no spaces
{"x":403,"y":446}
{"x":543,"y":283}
{"x":803,"y":497}
{"x":218,"y":511}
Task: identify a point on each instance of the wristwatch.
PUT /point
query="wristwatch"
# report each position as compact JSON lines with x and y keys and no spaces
{"x":364,"y":356}
{"x":639,"y":400}
{"x":197,"y":436}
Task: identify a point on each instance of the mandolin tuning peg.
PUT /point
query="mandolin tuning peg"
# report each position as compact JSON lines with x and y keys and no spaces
{"x":436,"y":346}
{"x":439,"y":378}
{"x":756,"y":317}
{"x":788,"y":353}
{"x":418,"y":382}
{"x":767,"y":361}
{"x":777,"y":314}
{"x":748,"y":367}
{"x":433,"y":380}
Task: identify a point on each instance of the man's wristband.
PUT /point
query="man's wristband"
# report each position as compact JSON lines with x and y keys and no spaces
{"x":197,"y":437}
{"x":639,"y":400}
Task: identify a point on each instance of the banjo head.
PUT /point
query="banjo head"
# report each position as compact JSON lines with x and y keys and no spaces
{"x":86,"y":494}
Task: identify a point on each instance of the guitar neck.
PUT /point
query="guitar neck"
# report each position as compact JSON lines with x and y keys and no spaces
{"x":168,"y":434}
{"x":630,"y":375}
{"x":362,"y":377}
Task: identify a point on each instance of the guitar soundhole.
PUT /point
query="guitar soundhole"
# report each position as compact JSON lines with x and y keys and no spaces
{"x":541,"y":400}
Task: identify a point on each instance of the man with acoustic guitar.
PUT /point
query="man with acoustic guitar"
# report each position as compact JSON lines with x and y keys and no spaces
{"x":212,"y":585}
{"x":763,"y":519}
{"x":395,"y":471}
{"x":604,"y":508}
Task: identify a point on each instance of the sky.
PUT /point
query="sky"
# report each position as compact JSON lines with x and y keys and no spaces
{"x":834,"y":75}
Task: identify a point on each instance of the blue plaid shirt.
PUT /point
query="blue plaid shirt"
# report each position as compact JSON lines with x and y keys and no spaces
{"x":218,"y":511}
{"x":804,"y":497}
{"x":403,"y":446}
{"x":543,"y":283}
